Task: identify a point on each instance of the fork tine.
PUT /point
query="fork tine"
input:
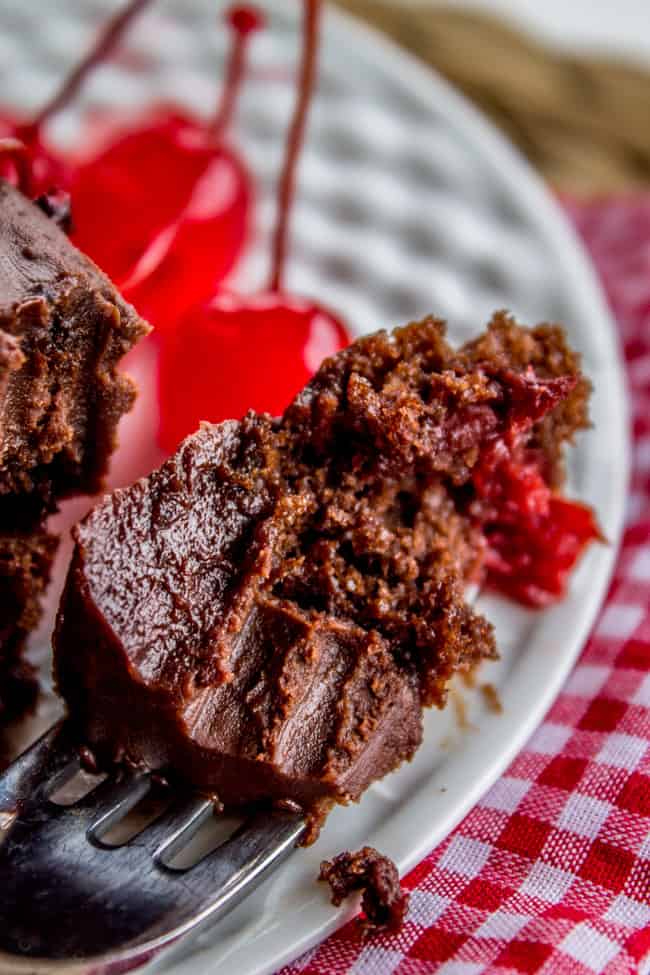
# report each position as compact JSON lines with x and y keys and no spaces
{"x":175,"y":827}
{"x":111,"y":801}
{"x":233,"y":871}
{"x":31,"y":774}
{"x":129,"y":900}
{"x":230,"y":873}
{"x":255,"y":846}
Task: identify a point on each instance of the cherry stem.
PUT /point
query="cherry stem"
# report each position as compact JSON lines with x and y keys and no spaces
{"x":105,"y":43}
{"x":295,"y":138}
{"x":17,"y":152}
{"x":243,"y":21}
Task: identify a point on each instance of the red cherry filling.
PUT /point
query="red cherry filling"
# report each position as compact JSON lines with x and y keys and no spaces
{"x":531,"y":561}
{"x":534,"y":536}
{"x":240,"y":353}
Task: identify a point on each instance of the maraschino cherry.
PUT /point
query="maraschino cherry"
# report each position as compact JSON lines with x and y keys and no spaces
{"x":238,"y":352}
{"x":163,"y":206}
{"x":47,"y":167}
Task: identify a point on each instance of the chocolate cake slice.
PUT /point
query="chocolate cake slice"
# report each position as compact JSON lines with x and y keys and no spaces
{"x":63,"y":330}
{"x":25,"y":562}
{"x":267,"y":614}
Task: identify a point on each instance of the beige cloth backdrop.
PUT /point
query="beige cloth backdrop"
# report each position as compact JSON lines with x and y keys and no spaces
{"x":583,"y":121}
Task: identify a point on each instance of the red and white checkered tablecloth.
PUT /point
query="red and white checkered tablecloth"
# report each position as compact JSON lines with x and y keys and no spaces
{"x":550,"y":872}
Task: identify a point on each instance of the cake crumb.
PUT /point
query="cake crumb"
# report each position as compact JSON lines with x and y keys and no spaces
{"x":459,"y":705}
{"x":384,"y":902}
{"x":492,"y":699}
{"x":468,"y":678}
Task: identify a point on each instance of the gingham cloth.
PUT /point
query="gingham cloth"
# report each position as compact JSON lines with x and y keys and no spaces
{"x":550,"y":872}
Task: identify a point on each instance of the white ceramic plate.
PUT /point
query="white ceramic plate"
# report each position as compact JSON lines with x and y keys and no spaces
{"x":409,"y":203}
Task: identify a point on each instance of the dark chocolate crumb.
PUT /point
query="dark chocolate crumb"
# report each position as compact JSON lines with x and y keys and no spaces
{"x":384,"y":902}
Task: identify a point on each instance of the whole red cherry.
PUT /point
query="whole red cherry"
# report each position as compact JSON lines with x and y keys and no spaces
{"x":164,"y":211}
{"x":236,"y":354}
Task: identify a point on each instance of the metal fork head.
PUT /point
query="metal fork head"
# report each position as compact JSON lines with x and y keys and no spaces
{"x":69,"y":904}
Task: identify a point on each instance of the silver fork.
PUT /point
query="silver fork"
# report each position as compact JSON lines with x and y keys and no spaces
{"x":69,"y":904}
